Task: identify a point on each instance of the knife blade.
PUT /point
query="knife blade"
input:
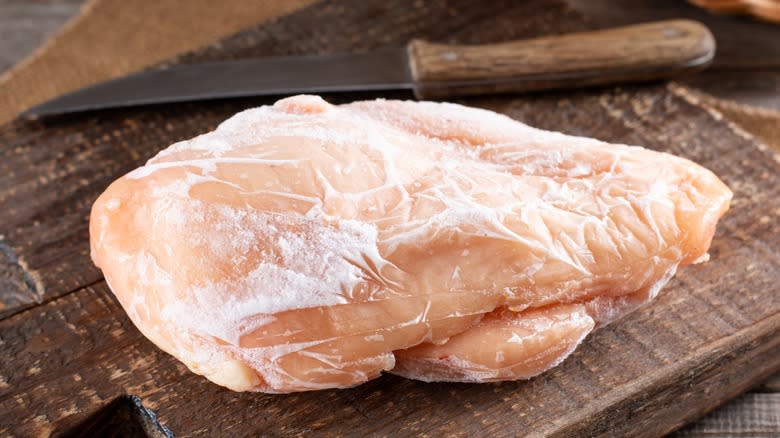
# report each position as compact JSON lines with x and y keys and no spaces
{"x":626,"y":54}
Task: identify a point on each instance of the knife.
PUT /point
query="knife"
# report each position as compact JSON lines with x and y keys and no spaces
{"x":431,"y":71}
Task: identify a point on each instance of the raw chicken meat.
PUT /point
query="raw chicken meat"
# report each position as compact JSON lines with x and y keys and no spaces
{"x":304,"y":246}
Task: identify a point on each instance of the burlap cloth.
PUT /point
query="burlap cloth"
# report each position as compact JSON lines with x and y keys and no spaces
{"x":109,"y":38}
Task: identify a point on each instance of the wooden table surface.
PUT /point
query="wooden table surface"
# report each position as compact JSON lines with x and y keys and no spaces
{"x":25,"y":24}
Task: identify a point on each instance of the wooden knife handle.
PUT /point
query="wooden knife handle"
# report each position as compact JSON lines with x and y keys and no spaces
{"x":624,"y":54}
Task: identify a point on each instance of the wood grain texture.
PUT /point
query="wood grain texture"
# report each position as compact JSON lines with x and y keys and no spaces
{"x":745,"y":76}
{"x":63,"y":164}
{"x":701,"y":342}
{"x":51,"y":174}
{"x":634,"y":53}
{"x":746,"y":79}
{"x":92,"y":48}
{"x":743,"y":43}
{"x":125,"y":416}
{"x":757,"y":88}
{"x":753,"y":415}
{"x":78,"y":351}
{"x":762,"y":123}
{"x":770,"y":385}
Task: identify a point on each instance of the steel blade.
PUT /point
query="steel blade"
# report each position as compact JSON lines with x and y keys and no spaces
{"x":381,"y":70}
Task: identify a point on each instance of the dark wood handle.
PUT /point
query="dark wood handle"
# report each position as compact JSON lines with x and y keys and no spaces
{"x":625,"y":54}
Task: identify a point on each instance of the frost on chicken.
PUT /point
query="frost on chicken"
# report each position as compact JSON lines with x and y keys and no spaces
{"x":305,"y":246}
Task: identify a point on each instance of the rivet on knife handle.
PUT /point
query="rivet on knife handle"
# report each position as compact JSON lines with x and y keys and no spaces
{"x":625,"y":54}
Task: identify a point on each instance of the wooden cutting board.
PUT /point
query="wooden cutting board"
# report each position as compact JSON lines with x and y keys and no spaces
{"x":69,"y":351}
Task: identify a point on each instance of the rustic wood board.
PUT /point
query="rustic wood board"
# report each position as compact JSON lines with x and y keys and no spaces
{"x":69,"y":350}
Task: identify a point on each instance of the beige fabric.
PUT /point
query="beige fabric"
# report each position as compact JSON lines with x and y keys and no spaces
{"x":750,"y":415}
{"x":109,"y":38}
{"x":763,"y":123}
